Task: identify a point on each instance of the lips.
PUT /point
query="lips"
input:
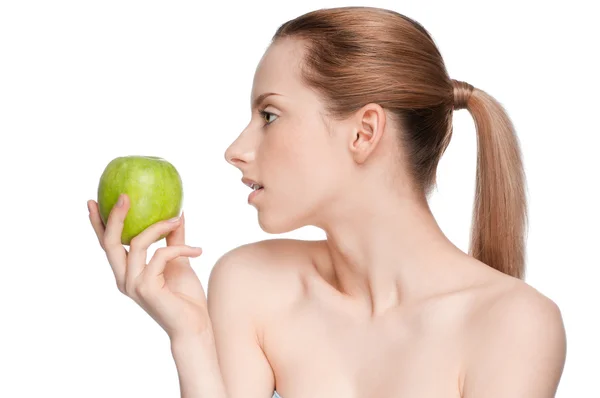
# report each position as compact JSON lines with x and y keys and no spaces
{"x":254,"y":193}
{"x":252,"y":184}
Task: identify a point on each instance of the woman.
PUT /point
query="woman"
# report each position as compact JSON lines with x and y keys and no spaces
{"x":351,"y":112}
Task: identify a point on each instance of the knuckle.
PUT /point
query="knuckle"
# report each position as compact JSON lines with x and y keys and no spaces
{"x":141,"y":289}
{"x":129,"y":288}
{"x":161,"y":252}
{"x":121,"y":287}
{"x":135,"y":242}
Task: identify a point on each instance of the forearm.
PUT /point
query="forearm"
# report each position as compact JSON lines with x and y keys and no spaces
{"x":197,"y":366}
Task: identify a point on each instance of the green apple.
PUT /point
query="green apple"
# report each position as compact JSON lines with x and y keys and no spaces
{"x":153,"y":186}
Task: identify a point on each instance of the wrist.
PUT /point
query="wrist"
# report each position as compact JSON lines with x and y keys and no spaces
{"x":195,"y":356}
{"x":203,"y":333}
{"x":192,"y":339}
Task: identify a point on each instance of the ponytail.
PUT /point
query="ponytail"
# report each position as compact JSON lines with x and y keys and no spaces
{"x":500,"y":208}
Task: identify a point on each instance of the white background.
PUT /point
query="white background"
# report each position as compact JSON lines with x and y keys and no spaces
{"x":83,"y":82}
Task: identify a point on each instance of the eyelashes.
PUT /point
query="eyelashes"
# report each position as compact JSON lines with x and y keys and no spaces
{"x":264,"y":114}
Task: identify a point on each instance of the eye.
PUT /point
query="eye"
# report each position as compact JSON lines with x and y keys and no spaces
{"x":263,"y":114}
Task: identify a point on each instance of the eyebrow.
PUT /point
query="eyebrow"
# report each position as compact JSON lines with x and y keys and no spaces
{"x":260,"y":99}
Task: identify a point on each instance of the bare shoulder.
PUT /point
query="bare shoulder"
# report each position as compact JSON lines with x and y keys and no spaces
{"x":516,"y":305}
{"x":260,"y":271}
{"x":510,"y":306}
{"x":266,"y":260}
{"x":517,"y":339}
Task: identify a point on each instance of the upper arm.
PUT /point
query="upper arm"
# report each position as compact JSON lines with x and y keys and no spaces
{"x":519,"y":351}
{"x":232,"y":305}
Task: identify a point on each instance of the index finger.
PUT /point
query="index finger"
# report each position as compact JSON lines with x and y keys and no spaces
{"x":109,"y":237}
{"x":96,"y":221}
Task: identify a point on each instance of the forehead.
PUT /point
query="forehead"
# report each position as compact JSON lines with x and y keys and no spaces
{"x":278,"y":70}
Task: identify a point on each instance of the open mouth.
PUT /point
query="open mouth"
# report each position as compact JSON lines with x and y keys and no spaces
{"x":252,"y":184}
{"x":256,"y":191}
{"x":255,"y":186}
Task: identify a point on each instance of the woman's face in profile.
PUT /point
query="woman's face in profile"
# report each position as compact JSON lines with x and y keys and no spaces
{"x":286,"y":147}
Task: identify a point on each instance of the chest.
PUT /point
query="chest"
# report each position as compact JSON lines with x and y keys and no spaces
{"x":319,"y":354}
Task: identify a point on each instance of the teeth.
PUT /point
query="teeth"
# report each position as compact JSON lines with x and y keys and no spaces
{"x":256,"y":187}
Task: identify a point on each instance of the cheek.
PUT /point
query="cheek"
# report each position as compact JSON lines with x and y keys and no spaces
{"x":317,"y":176}
{"x":299,"y":162}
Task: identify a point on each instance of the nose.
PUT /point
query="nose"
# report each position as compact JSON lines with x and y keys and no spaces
{"x":237,"y":153}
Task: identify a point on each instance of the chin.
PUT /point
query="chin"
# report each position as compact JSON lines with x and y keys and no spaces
{"x":277,"y":225}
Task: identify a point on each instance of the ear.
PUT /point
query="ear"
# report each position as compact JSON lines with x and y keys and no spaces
{"x":368,"y":131}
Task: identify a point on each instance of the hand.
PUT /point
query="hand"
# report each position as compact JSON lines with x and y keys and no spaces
{"x":167,"y":288}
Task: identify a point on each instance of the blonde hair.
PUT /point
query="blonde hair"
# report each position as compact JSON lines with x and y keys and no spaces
{"x":360,"y":55}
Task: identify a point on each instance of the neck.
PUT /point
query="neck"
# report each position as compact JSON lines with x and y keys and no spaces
{"x":387,"y":252}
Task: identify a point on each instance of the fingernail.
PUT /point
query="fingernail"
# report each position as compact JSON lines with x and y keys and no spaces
{"x":174,"y":219}
{"x":120,"y":202}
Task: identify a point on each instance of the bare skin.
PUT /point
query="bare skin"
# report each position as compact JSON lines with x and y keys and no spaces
{"x":319,"y":343}
{"x":387,"y":305}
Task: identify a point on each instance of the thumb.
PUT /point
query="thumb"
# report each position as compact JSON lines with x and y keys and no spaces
{"x":177,"y":236}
